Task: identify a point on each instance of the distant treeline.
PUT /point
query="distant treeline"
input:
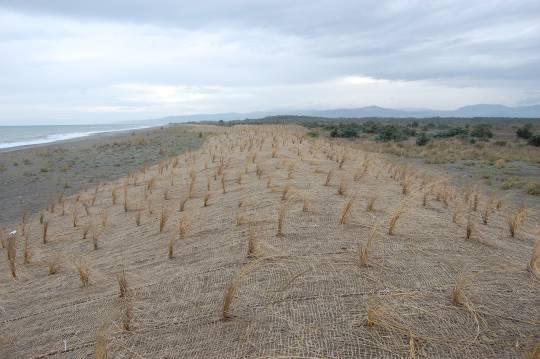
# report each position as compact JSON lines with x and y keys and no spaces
{"x":400,"y":129}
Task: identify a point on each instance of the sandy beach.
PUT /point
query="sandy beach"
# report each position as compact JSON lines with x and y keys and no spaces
{"x":31,"y":177}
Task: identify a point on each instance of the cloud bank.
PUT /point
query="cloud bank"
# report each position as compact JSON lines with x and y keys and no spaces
{"x":101,"y":61}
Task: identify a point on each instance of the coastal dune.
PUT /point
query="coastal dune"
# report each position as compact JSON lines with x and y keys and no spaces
{"x":262,"y":243}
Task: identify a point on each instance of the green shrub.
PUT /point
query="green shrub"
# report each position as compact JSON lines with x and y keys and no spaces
{"x":391,"y":133}
{"x":533,"y":188}
{"x":458,"y":131}
{"x":482,"y":131}
{"x":525,"y":131}
{"x":422,"y":140}
{"x":534,"y":141}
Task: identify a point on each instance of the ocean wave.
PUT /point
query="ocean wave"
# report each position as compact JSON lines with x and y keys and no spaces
{"x":61,"y":137}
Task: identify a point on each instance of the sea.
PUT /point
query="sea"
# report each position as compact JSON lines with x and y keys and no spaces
{"x":12,"y":137}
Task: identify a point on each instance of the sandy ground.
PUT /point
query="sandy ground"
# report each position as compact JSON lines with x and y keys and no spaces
{"x":245,"y":249}
{"x":31,"y":178}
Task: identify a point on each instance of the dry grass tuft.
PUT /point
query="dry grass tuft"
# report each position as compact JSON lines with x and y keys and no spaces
{"x":184,"y":225}
{"x":370,"y":207}
{"x":364,"y":250}
{"x":394,"y":219}
{"x":534,"y":266}
{"x":45,"y":228}
{"x":252,"y":241}
{"x":75,"y":217}
{"x":53,"y":266}
{"x":138,"y":215}
{"x":170,"y":246}
{"x":163,"y":218}
{"x":26,"y":249}
{"x":127,"y":313}
{"x":486,"y":211}
{"x":306,"y":202}
{"x":206,"y":199}
{"x":86,"y":230}
{"x":458,"y":294}
{"x":104,"y":218}
{"x":95,"y":238}
{"x":114,"y":196}
{"x":516,"y":220}
{"x":282,"y":214}
{"x":182,"y":204}
{"x":233,"y":286}
{"x":102,"y":342}
{"x":123,"y":287}
{"x":84,"y":273}
{"x":345,"y":212}
{"x":12,"y":254}
{"x":329,"y":178}
{"x":343,"y":186}
{"x":469,"y":229}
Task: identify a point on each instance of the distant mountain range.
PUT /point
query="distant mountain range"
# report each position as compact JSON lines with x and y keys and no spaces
{"x":480,"y":110}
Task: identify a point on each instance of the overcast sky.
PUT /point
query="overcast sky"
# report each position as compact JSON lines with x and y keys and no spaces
{"x":66,"y":61}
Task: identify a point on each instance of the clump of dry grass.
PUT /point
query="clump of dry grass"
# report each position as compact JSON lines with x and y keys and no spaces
{"x":95,"y":238}
{"x":182,"y":204}
{"x":252,"y":241}
{"x":44,"y":229}
{"x":206,"y":199}
{"x":329,"y":178}
{"x":282,"y":214}
{"x":163,"y":218}
{"x":458,"y":294}
{"x":486,"y":211}
{"x":516,"y":220}
{"x":233,"y":286}
{"x":12,"y":253}
{"x":102,"y":342}
{"x":26,"y":249}
{"x":170,"y":246}
{"x":469,"y":229}
{"x":184,"y":225}
{"x":290,"y":170}
{"x":474,"y":206}
{"x":114,"y":196}
{"x":306,"y":202}
{"x":223,"y":184}
{"x":123,"y":287}
{"x":343,"y":186}
{"x":534,"y":266}
{"x":86,"y":229}
{"x":126,"y":199}
{"x":346,"y":210}
{"x":259,"y":170}
{"x":370,"y":207}
{"x":84,"y":273}
{"x":374,"y":314}
{"x":394,"y":218}
{"x":104,"y":218}
{"x":138,"y":215}
{"x":127,"y":313}
{"x":364,"y":250}
{"x":53,"y":266}
{"x":285,"y":192}
{"x":75,"y":217}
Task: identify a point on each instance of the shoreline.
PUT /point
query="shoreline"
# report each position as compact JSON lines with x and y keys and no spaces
{"x":31,"y":177}
{"x":83,"y":135}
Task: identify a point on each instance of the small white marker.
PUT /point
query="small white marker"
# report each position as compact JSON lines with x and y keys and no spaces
{"x":13,"y":232}
{"x":65,"y":345}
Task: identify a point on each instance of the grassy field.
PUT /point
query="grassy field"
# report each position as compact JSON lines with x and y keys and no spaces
{"x":266,"y":242}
